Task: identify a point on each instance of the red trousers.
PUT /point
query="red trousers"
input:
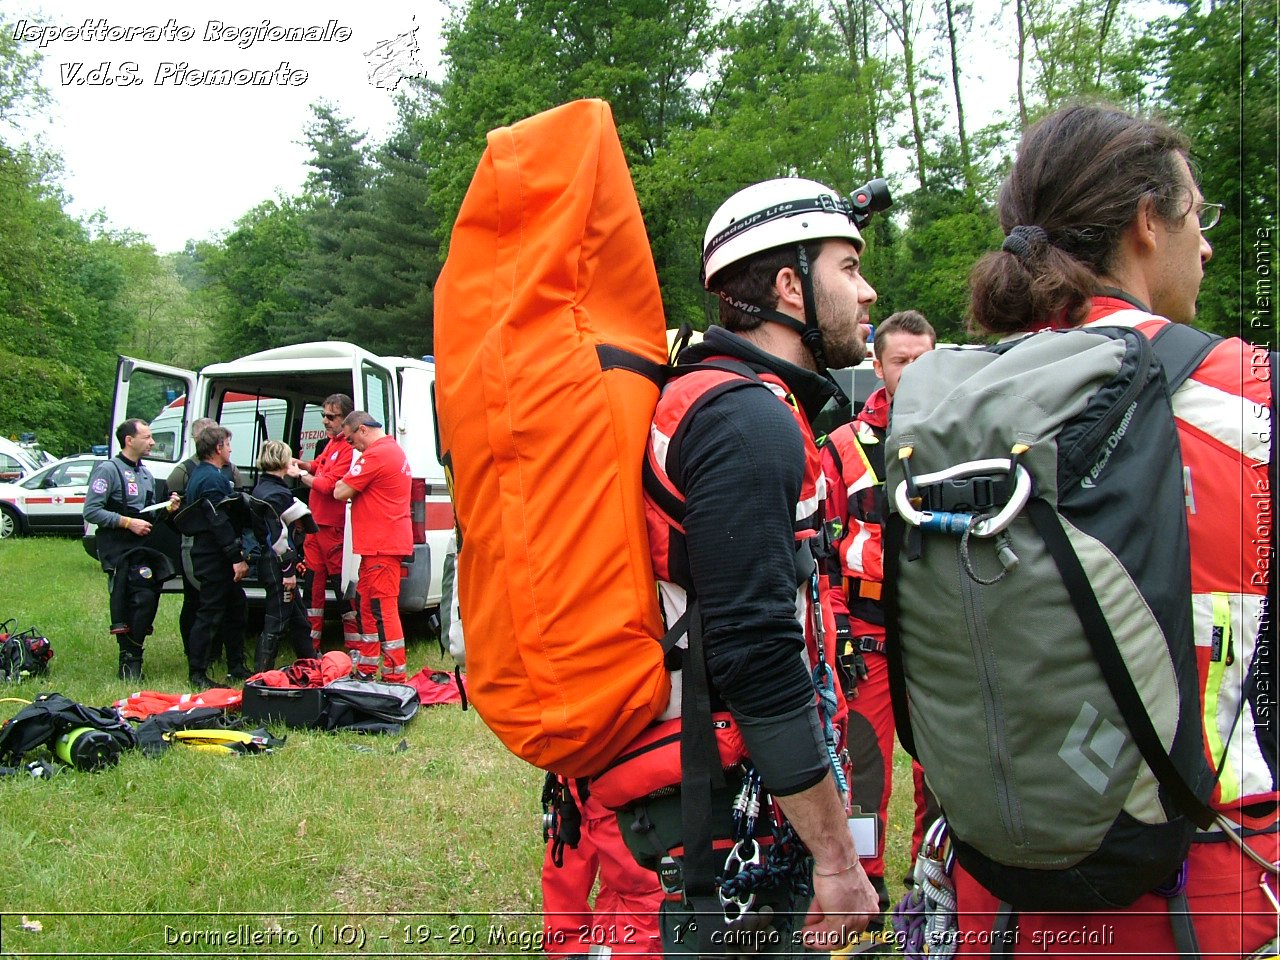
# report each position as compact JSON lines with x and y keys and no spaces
{"x":378,"y":620}
{"x":625,"y":915}
{"x":1231,"y":913}
{"x":322,"y":552}
{"x":871,"y":732}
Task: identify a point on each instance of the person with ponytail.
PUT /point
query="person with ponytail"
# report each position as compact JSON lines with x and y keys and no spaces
{"x":1105,"y":225}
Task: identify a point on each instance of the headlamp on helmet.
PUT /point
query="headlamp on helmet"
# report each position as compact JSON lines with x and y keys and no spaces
{"x":789,"y":210}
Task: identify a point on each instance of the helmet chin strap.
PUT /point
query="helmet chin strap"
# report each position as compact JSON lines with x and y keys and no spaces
{"x":811,"y":336}
{"x":810,"y":332}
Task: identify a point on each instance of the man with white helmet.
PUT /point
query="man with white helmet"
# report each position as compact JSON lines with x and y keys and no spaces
{"x":734,"y":501}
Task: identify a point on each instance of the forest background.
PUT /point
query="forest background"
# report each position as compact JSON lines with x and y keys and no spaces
{"x":706,"y":101}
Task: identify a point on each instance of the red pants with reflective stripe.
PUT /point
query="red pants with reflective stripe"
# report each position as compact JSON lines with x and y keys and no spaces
{"x":322,"y":552}
{"x":378,"y":620}
{"x":625,"y":915}
{"x":1231,"y":913}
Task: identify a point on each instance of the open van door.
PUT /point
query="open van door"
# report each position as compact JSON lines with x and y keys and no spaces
{"x":161,"y":395}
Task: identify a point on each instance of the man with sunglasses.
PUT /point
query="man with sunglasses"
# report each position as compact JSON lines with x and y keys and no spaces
{"x":322,"y":550}
{"x":378,"y":486}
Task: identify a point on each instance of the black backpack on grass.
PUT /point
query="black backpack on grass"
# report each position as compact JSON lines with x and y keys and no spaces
{"x":23,"y":655}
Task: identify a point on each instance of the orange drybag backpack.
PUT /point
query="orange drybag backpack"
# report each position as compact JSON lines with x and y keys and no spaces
{"x":550,"y":343}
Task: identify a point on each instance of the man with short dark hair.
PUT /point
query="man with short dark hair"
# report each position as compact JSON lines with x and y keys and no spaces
{"x":119,"y":490}
{"x":734,"y":546}
{"x":322,"y":550}
{"x":378,"y":484}
{"x":214,"y":555}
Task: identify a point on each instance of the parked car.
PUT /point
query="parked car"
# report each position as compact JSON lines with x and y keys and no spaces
{"x":49,"y":500}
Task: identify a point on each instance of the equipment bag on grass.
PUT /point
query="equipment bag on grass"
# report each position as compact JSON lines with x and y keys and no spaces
{"x":23,"y":655}
{"x":1038,"y":599}
{"x":550,"y":344}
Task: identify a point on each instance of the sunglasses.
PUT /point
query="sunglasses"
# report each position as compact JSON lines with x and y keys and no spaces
{"x":331,"y":416}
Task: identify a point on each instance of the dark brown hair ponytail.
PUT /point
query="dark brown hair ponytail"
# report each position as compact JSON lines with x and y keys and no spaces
{"x":1076,"y":185}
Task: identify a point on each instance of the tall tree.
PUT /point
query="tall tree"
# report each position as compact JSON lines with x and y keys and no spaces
{"x":508,"y":59}
{"x":384,"y":300}
{"x":1219,"y":69}
{"x":903,"y":17}
{"x":336,"y":194}
{"x":250,"y":275}
{"x":956,"y":12}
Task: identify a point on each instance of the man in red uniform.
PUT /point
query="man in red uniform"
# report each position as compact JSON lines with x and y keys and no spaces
{"x":322,"y":550}
{"x":378,"y":484}
{"x":853,"y":461}
{"x":1105,"y":225}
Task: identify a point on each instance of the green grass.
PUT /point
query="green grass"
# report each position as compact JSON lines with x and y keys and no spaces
{"x":348,"y":835}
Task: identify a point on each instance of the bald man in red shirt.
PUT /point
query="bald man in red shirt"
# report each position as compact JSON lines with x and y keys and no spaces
{"x":378,"y":487}
{"x":322,"y":550}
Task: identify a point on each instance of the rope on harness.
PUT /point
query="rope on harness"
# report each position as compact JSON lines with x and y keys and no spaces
{"x":925,"y":919}
{"x":824,"y":684}
{"x":785,"y":863}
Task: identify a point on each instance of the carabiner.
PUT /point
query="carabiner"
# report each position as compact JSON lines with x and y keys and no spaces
{"x":734,"y":864}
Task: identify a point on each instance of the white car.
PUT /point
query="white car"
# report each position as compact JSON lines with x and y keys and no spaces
{"x":50,"y":500}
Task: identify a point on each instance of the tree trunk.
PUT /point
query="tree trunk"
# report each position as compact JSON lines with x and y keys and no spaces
{"x":1019,"y":15}
{"x":965,"y":158}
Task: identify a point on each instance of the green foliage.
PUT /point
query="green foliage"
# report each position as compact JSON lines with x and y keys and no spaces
{"x":706,"y":101}
{"x":387,"y":261}
{"x":1220,"y":79}
{"x":247,"y":273}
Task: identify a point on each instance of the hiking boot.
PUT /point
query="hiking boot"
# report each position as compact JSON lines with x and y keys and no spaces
{"x":199,"y":680}
{"x":130,"y":670}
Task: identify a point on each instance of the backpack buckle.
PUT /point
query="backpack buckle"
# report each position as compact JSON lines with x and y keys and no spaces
{"x":950,"y":500}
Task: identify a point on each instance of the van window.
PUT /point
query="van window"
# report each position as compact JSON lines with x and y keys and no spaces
{"x":251,"y":418}
{"x":10,"y":468}
{"x":312,"y":432}
{"x":161,"y":401}
{"x":377,"y":394}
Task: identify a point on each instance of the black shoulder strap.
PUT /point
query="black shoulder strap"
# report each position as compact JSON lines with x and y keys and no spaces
{"x":1114,"y":671}
{"x":1180,"y":349}
{"x":895,"y":529}
{"x":701,"y":773}
{"x":616,"y":358}
{"x":875,"y":454}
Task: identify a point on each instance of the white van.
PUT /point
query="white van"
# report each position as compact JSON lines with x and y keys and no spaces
{"x":277,"y":395}
{"x":16,"y":461}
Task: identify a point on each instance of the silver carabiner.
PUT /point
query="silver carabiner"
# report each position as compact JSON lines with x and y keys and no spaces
{"x":734,"y":863}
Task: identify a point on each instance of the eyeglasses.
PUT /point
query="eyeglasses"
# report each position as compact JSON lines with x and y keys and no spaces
{"x":331,"y":416}
{"x":1208,"y":214}
{"x":351,"y":437}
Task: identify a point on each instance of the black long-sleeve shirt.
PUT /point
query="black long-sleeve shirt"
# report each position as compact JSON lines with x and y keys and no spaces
{"x":741,"y":471}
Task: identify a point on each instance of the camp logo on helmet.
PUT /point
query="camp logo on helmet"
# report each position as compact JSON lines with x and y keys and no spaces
{"x":740,"y":305}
